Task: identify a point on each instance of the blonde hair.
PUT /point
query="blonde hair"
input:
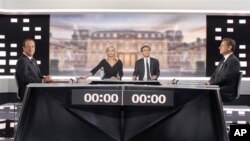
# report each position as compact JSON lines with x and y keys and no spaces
{"x":116,"y":58}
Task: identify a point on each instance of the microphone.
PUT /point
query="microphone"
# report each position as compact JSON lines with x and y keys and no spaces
{"x":175,"y":81}
{"x":77,"y":79}
{"x":72,"y":80}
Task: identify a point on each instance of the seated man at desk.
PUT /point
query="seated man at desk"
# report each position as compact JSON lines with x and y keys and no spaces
{"x":27,"y":70}
{"x":226,"y":73}
{"x":146,"y":68}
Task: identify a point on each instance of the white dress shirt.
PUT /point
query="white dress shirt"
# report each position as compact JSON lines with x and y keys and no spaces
{"x":145,"y":68}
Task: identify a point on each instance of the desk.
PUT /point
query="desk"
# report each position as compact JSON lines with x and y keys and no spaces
{"x":52,"y":113}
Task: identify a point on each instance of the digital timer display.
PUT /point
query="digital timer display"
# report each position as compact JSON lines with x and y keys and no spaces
{"x":106,"y":98}
{"x":143,"y":98}
{"x":96,"y":97}
{"x":122,"y":97}
{"x":151,"y":98}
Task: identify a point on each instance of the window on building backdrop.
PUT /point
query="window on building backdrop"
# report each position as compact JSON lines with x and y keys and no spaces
{"x":79,"y":41}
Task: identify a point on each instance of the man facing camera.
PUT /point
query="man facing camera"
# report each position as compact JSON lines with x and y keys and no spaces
{"x":227,"y":72}
{"x":27,"y":70}
{"x":146,"y":68}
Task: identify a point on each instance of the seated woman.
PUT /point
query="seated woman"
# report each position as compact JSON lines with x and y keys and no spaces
{"x":113,"y":67}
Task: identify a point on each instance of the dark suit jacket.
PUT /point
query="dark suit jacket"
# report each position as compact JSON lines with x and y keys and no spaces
{"x":139,"y":68}
{"x":227,"y":78}
{"x":26,"y":72}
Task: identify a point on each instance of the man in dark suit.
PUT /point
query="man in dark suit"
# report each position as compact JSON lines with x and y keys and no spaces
{"x":146,"y":68}
{"x":226,"y":73}
{"x":27,"y":70}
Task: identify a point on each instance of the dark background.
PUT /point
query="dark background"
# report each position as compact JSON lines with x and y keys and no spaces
{"x":240,"y":35}
{"x":14,"y":34}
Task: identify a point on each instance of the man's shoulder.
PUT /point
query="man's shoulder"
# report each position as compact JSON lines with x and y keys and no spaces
{"x":22,"y":59}
{"x":153,"y":59}
{"x":140,"y":60}
{"x":232,"y":57}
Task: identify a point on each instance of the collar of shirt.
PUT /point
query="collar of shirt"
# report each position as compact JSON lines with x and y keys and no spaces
{"x":145,"y":59}
{"x":226,"y":56}
{"x":27,"y":55}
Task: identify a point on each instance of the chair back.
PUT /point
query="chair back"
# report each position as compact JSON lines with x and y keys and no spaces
{"x":237,"y":93}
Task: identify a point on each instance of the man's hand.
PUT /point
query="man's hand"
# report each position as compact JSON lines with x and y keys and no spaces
{"x":47,"y":79}
{"x":134,"y":78}
{"x":207,"y":83}
{"x":114,"y":78}
{"x":154,"y":77}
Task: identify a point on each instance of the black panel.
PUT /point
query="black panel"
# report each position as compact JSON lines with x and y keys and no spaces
{"x":14,"y":33}
{"x":240,"y":34}
{"x":189,"y":122}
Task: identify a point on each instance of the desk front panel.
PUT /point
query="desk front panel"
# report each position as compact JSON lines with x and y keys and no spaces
{"x":192,"y":115}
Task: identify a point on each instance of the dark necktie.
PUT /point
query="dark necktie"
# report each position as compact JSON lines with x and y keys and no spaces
{"x":221,"y":63}
{"x":35,"y":64}
{"x":148,"y":71}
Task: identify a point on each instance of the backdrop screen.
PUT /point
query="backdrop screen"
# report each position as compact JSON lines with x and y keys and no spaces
{"x":186,"y":44}
{"x":79,"y":41}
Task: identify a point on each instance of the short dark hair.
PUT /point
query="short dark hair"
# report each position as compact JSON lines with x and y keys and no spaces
{"x":230,"y":42}
{"x":145,"y":47}
{"x":25,"y":40}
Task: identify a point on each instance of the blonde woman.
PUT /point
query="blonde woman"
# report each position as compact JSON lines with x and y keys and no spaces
{"x":113,"y":67}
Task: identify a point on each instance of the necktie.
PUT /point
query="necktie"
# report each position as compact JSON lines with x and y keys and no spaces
{"x":34,"y":63}
{"x":148,"y":71}
{"x":221,"y":63}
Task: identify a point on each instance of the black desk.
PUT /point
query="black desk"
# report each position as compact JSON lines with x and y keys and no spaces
{"x":50,"y":113}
